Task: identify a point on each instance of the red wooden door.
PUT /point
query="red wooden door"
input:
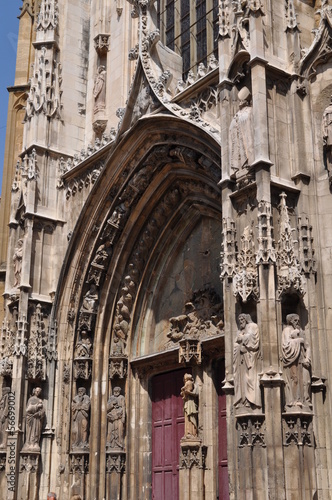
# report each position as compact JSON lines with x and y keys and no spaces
{"x":167,"y":430}
{"x":222,"y":433}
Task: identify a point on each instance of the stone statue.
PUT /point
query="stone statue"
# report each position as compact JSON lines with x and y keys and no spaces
{"x":4,"y":417}
{"x":189,"y":396}
{"x":17,"y":258}
{"x":99,"y":89}
{"x":102,"y":254}
{"x":83,"y":348}
{"x":80,"y":407}
{"x":296,"y":358}
{"x":116,"y":417}
{"x":327,"y":137}
{"x":241,"y":134}
{"x":246,"y":355}
{"x":90,"y":300}
{"x":34,"y":417}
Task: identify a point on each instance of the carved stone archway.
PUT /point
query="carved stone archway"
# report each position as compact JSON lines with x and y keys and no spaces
{"x":156,"y":189}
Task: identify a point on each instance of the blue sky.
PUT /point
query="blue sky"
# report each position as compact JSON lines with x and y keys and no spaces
{"x":8,"y":42}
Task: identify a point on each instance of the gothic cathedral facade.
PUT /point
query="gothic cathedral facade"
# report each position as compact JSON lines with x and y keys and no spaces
{"x":166,"y":252}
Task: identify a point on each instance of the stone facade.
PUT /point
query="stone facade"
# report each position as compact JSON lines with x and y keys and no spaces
{"x":165,"y":253}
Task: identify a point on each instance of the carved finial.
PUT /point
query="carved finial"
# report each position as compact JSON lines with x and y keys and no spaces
{"x":224,"y":27}
{"x":291,"y":16}
{"x":48,"y":15}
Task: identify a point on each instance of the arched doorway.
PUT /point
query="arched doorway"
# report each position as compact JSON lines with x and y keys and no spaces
{"x":146,"y":251}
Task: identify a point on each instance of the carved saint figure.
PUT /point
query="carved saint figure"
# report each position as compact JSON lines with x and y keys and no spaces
{"x":83,"y":348}
{"x":17,"y":258}
{"x":80,"y":407}
{"x":241,"y":144}
{"x":246,"y":355}
{"x":189,"y":396}
{"x":99,"y":89}
{"x":296,"y":357}
{"x":4,"y":416}
{"x":34,"y":417}
{"x":116,"y":417}
{"x":102,"y":254}
{"x":90,"y":300}
{"x":327,"y":137}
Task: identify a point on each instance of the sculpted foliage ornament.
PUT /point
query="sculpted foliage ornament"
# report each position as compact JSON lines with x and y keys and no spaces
{"x":48,"y":15}
{"x":8,"y":336}
{"x":228,"y":254}
{"x":245,"y":281}
{"x":45,"y":93}
{"x":289,"y":270}
{"x":37,"y":347}
{"x":266,"y":253}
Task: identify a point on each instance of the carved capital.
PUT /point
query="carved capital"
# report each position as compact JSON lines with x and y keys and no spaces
{"x":251,"y":431}
{"x":102,"y":43}
{"x":297,"y":430}
{"x":29,"y":462}
{"x":79,"y":463}
{"x":115,"y":462}
{"x":118,"y":366}
{"x":192,"y":454}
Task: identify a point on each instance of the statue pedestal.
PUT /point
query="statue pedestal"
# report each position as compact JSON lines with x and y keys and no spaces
{"x":79,"y":468}
{"x":191,"y":470}
{"x":115,"y":469}
{"x":28,"y":473}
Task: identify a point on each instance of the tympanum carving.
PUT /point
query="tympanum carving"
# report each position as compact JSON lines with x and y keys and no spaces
{"x":201,"y":318}
{"x":296,"y":358}
{"x":246,"y":358}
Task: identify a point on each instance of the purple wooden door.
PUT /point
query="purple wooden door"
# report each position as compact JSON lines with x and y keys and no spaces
{"x":222,"y":434}
{"x":167,"y":430}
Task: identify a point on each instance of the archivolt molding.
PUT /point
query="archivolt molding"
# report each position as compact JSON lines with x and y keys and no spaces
{"x":94,"y":253}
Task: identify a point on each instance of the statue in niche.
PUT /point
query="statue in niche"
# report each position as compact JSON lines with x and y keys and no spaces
{"x":4,"y":417}
{"x":80,"y":407}
{"x":34,"y":417}
{"x":246,"y":356}
{"x":99,"y":89}
{"x":296,"y":358}
{"x":17,"y":258}
{"x":327,"y":138}
{"x":241,"y":134}
{"x":90,"y":300}
{"x":116,"y":417}
{"x":189,"y":395}
{"x":83,"y":348}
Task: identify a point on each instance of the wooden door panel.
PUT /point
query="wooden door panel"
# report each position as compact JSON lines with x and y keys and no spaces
{"x":167,"y":431}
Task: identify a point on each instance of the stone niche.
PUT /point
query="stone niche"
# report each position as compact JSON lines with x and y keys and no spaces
{"x":190,"y":268}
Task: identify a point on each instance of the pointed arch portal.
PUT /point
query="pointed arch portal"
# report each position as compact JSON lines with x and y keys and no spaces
{"x":141,"y":279}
